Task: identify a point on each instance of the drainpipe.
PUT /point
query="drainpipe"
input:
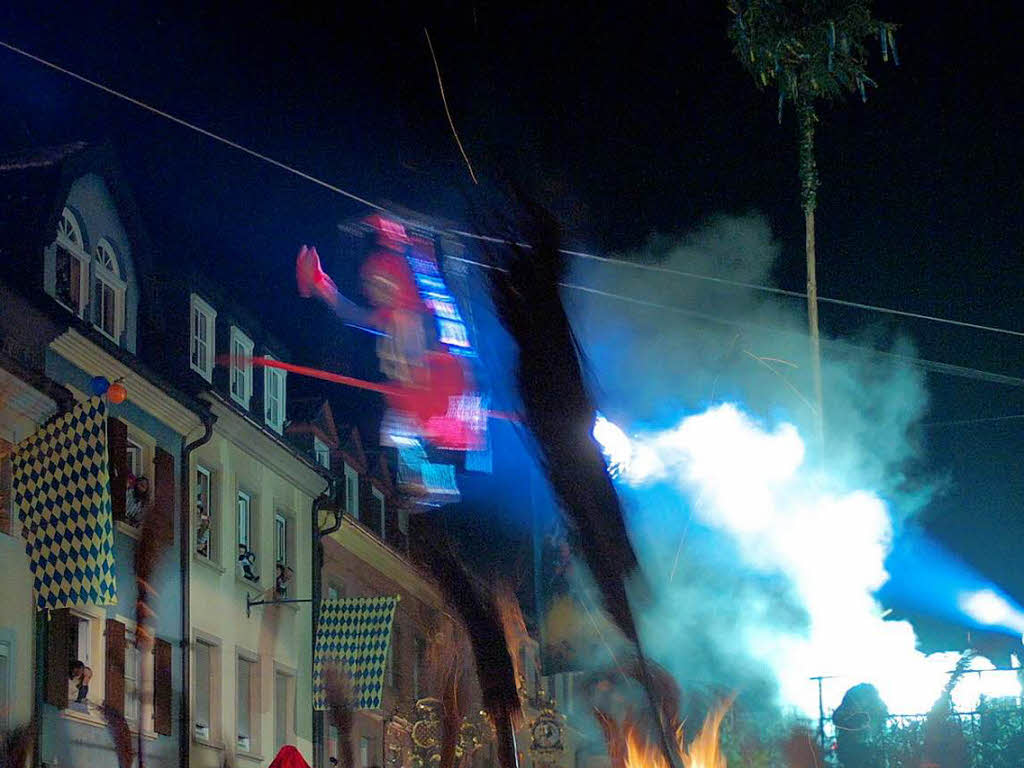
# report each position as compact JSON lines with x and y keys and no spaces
{"x":320,"y":502}
{"x":185,"y":725}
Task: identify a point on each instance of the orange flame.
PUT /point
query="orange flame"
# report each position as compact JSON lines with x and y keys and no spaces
{"x":641,"y":751}
{"x":513,"y":624}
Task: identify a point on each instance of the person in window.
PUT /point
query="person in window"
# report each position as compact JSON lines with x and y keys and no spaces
{"x":138,"y":499}
{"x":284,"y":577}
{"x":247,"y":563}
{"x":80,"y":675}
{"x":203,"y":529}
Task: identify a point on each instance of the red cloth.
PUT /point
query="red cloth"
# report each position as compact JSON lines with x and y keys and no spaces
{"x":289,"y":757}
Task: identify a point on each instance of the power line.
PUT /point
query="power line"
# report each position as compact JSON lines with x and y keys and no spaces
{"x":983,"y":420}
{"x":931,"y":365}
{"x":194,"y":127}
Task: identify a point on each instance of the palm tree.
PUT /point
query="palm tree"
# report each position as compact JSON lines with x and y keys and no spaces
{"x":809,"y":51}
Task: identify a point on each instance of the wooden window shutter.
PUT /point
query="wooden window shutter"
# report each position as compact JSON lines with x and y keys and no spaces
{"x":162,"y":687}
{"x":163,"y":492}
{"x":58,"y":657}
{"x":117,"y":449}
{"x":114,"y":678}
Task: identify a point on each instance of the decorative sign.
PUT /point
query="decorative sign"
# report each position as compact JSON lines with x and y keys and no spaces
{"x":546,"y":732}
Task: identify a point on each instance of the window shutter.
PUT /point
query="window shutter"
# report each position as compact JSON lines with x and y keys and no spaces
{"x":162,"y":687}
{"x":58,"y":651}
{"x":117,"y":449}
{"x":113,"y":695}
{"x":163,"y":492}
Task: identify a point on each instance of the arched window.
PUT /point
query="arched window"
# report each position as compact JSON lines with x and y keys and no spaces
{"x":71,"y":287}
{"x":108,"y":296}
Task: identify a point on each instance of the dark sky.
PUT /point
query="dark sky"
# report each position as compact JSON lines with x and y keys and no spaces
{"x":628,"y":120}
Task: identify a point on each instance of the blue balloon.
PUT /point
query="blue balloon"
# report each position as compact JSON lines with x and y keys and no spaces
{"x":99,"y":385}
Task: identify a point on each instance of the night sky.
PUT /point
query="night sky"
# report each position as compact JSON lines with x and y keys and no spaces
{"x":625,"y":121}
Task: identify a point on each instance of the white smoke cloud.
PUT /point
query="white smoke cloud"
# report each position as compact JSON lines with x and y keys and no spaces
{"x":764,"y":567}
{"x":749,"y":482}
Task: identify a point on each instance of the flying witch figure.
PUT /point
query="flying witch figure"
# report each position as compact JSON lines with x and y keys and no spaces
{"x":430,"y":391}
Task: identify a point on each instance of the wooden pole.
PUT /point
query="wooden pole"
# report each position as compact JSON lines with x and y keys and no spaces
{"x":806,"y":120}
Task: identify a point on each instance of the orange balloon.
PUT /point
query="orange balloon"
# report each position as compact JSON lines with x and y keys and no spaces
{"x":117,"y":393}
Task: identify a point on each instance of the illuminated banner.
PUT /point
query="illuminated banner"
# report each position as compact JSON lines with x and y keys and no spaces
{"x":430,"y":284}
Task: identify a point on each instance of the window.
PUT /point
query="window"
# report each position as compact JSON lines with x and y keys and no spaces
{"x":322,"y":452}
{"x":334,"y":592}
{"x":282,"y":555}
{"x":81,"y":647}
{"x":72,"y":265}
{"x":201,"y":332}
{"x":246,"y":685}
{"x":109,"y":289}
{"x":6,"y":489}
{"x":281,"y":539}
{"x":244,"y":520}
{"x":365,"y":751}
{"x":351,"y":492}
{"x":133,"y":456}
{"x":274,"y":398}
{"x":205,"y":657}
{"x":332,"y":743}
{"x":136,"y":694}
{"x":284,"y":714}
{"x":6,"y":678}
{"x":381,"y":521}
{"x":247,"y":565}
{"x":403,"y":520}
{"x":206,"y":518}
{"x":241,"y":367}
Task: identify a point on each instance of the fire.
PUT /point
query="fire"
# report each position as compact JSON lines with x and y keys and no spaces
{"x":639,"y":750}
{"x":513,"y":624}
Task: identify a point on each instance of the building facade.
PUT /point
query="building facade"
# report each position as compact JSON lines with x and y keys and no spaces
{"x":74,"y":264}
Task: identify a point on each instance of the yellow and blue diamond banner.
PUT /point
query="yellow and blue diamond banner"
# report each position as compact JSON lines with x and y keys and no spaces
{"x":62,"y":494}
{"x":354,"y":634}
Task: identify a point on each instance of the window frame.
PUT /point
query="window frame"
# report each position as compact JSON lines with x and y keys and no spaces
{"x":280,"y":378}
{"x":144,"y":682}
{"x":7,"y":651}
{"x":247,"y":657}
{"x":239,"y":337}
{"x":281,"y":532}
{"x":322,"y":453}
{"x":213,"y":553}
{"x":290,"y":721}
{"x":74,"y":245}
{"x":241,"y":495}
{"x":95,"y":620}
{"x":107,"y":278}
{"x":351,"y":476}
{"x":212,"y":681}
{"x":198,"y":306}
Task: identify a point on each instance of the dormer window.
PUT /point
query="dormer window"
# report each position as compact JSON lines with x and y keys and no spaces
{"x":202,"y":339}
{"x":274,"y":397}
{"x":241,"y":367}
{"x":71,"y":287}
{"x":322,"y":452}
{"x":109,"y":289}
